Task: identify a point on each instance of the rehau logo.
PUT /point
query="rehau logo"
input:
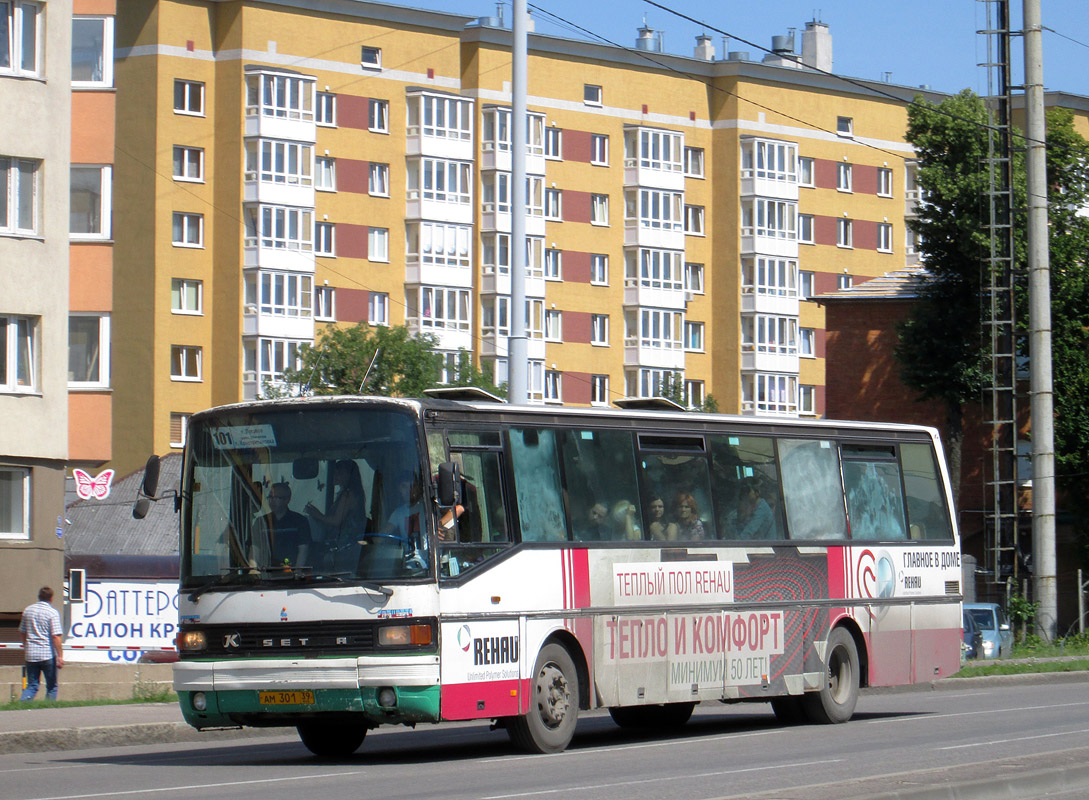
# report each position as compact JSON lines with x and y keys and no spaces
{"x":495,"y":650}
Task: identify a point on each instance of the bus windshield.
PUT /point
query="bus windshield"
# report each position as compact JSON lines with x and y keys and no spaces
{"x":281,"y":494}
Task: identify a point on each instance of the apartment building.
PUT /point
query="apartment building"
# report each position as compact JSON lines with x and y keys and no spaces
{"x":284,"y":169}
{"x":35,"y":71}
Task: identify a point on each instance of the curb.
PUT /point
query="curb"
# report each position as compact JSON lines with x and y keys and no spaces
{"x":119,"y":735}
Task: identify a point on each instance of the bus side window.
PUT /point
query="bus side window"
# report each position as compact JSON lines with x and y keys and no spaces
{"x":926,"y":510}
{"x":601,"y":486}
{"x":748,"y":504}
{"x":875,"y":505}
{"x":535,"y":463}
{"x":812,"y":489}
{"x":480,"y":531}
{"x":681,"y":483}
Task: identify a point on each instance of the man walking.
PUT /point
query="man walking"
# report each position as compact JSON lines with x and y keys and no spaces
{"x":40,"y":630}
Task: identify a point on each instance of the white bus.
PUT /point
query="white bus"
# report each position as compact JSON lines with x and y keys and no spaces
{"x":466,"y":560}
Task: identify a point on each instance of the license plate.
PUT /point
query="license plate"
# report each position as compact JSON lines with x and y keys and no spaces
{"x":293,"y":698}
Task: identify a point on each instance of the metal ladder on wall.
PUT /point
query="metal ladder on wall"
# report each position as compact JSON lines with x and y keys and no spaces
{"x":998,"y":280}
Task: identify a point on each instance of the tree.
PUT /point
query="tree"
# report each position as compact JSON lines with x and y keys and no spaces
{"x":380,"y":360}
{"x":672,"y":388}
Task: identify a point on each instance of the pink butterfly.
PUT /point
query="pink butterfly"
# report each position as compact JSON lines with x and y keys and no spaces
{"x":97,"y":487}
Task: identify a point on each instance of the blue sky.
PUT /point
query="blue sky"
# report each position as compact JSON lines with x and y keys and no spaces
{"x":932,"y":42}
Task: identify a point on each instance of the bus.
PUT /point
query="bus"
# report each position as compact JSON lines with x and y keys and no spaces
{"x":462,"y":559}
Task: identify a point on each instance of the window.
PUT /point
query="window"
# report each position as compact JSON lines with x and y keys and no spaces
{"x":591,"y":95}
{"x":188,"y":163}
{"x":655,"y":208}
{"x":769,"y":276}
{"x":188,"y":230}
{"x":599,"y":209}
{"x":844,"y":282}
{"x":553,"y":322}
{"x":694,"y":393}
{"x":599,"y":329}
{"x":325,"y":174}
{"x":805,"y":284}
{"x":440,"y":116}
{"x":654,"y":149}
{"x":655,"y":328}
{"x":184,"y":362}
{"x":495,"y":316}
{"x":650,"y":382}
{"x":278,"y":294}
{"x":89,"y":202}
{"x":325,"y":306}
{"x":599,"y":269}
{"x":18,"y":357}
{"x":495,"y":253}
{"x":693,"y":336}
{"x":18,"y":195}
{"x":807,"y":399}
{"x":884,"y":181}
{"x":553,"y":143}
{"x":179,"y":427}
{"x":693,"y":162}
{"x":447,"y":245}
{"x":884,"y":237}
{"x":496,"y":193}
{"x":807,"y":342}
{"x":764,"y":393}
{"x":440,"y":307}
{"x":805,"y":229}
{"x":279,"y":227}
{"x":553,"y":386}
{"x":274,"y":161}
{"x":325,"y":239}
{"x":844,"y":174}
{"x":327,"y":109}
{"x":693,"y":220}
{"x":379,"y":116}
{"x":20,"y":43}
{"x":845,"y":126}
{"x":599,"y":390}
{"x":279,"y":95}
{"x":693,"y":278}
{"x":773,"y":219}
{"x":370,"y":57}
{"x":378,"y":244}
{"x":805,"y":171}
{"x":444,"y":181}
{"x":553,"y":204}
{"x":768,"y":333}
{"x":844,"y":233}
{"x":769,"y":159}
{"x":599,"y":149}
{"x":378,"y":308}
{"x":654,"y":269}
{"x":92,"y":51}
{"x":89,"y":350}
{"x":553,"y":265}
{"x":378,"y":180}
{"x":186,"y":296}
{"x":188,"y":97}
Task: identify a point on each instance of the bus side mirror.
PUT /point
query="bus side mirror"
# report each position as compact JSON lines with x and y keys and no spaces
{"x":151,"y":476}
{"x":449,"y":483}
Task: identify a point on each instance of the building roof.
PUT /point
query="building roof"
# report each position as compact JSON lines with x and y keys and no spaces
{"x":901,"y":284}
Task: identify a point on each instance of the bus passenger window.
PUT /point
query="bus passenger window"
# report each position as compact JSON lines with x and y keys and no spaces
{"x":812,"y":489}
{"x":926,"y":509}
{"x":600,"y":485}
{"x":680,"y":483}
{"x":871,"y":479}
{"x":480,"y":531}
{"x":745,"y":478}
{"x":535,"y":462}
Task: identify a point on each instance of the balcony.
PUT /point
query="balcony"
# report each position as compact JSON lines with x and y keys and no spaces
{"x":276,"y":194}
{"x":638,"y":353}
{"x":637,"y":293}
{"x":450,"y":335}
{"x":636,"y":173}
{"x":496,"y":345}
{"x":292,"y":129}
{"x":290,"y":259}
{"x":763,"y":184}
{"x":418,"y":272}
{"x":782,"y":361}
{"x":666,"y":236}
{"x":493,"y":282}
{"x":782,"y":304}
{"x":499,"y":158}
{"x":495,"y":218}
{"x":770,"y":242}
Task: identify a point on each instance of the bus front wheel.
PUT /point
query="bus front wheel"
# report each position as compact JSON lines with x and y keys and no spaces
{"x":331,"y":741}
{"x":835,"y":701}
{"x":554,"y":707}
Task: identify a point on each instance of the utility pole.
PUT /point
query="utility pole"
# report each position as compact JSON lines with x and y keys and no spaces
{"x":1043,"y":428}
{"x":517,"y":346}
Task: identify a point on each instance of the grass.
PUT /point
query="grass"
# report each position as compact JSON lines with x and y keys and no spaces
{"x":165,"y":696}
{"x":1028,"y":655}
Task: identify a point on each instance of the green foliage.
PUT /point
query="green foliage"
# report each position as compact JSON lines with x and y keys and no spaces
{"x":672,"y":388}
{"x":1021,"y":611}
{"x":380,"y":360}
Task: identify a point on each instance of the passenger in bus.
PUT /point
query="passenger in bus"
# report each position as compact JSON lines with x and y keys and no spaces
{"x":689,"y":524}
{"x":346,"y":517}
{"x":406,"y":521}
{"x":601,"y":525}
{"x":753,"y":517}
{"x":659,"y":528}
{"x":286,"y":533}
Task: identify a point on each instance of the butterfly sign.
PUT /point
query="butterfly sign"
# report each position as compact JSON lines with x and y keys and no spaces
{"x":97,"y":487}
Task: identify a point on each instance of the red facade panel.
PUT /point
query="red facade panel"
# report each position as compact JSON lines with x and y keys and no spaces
{"x":351,"y":240}
{"x":353,"y":175}
{"x":865,"y":179}
{"x":576,"y":267}
{"x":352,"y":305}
{"x":352,"y":111}
{"x":576,"y":387}
{"x":576,"y":327}
{"x":576,"y":206}
{"x":824,"y":173}
{"x":865,"y":234}
{"x":576,"y":146}
{"x":824,"y":230}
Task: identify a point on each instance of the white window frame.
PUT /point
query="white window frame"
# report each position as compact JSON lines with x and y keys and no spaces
{"x":659,"y":209}
{"x":325,"y":239}
{"x":325,"y":303}
{"x":806,"y":172}
{"x":769,"y":393}
{"x":553,"y":325}
{"x":105,"y":60}
{"x":450,"y":308}
{"x":279,"y":227}
{"x":102,"y":381}
{"x":443,"y":244}
{"x":495,"y":253}
{"x":774,"y":334}
{"x":807,"y":399}
{"x":105,"y":196}
{"x":325,"y":114}
{"x":282,"y":96}
{"x":18,"y":478}
{"x":16,"y":14}
{"x":599,"y":209}
{"x":845,"y":233}
{"x":287,"y":295}
{"x":806,"y":281}
{"x":378,"y":244}
{"x":599,"y":330}
{"x":325,"y":173}
{"x":188,"y":163}
{"x":378,"y":179}
{"x":655,"y":328}
{"x":654,"y":149}
{"x":806,"y":229}
{"x":599,"y":269}
{"x":553,"y":143}
{"x":694,"y":221}
{"x":592,"y":94}
{"x":553,"y":264}
{"x":190,"y":91}
{"x":599,"y":149}
{"x":807,"y":342}
{"x":441,"y":116}
{"x":22,"y":339}
{"x":769,"y":276}
{"x":769,"y":159}
{"x":652,"y":268}
{"x":694,"y":341}
{"x":884,"y":237}
{"x":845,"y":126}
{"x":183,"y":288}
{"x":265,"y":359}
{"x":694,"y":166}
{"x":443,"y":180}
{"x":183,"y":428}
{"x":694,"y":278}
{"x":14,"y":172}
{"x":370,"y":57}
{"x":844,"y":282}
{"x":694,"y":393}
{"x":844,"y":177}
{"x":189,"y":223}
{"x":553,"y":205}
{"x":378,"y":308}
{"x":599,"y":390}
{"x":277,"y":161}
{"x":377,"y":115}
{"x":884,"y":182}
{"x":553,"y":386}
{"x":495,"y":316}
{"x":186,"y":363}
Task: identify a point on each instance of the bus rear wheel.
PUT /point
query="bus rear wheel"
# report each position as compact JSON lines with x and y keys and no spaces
{"x":554,"y":707}
{"x":835,"y":701}
{"x":327,"y":740}
{"x":659,"y":717}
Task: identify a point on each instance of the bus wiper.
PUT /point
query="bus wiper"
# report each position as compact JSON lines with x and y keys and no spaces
{"x":377,"y":587}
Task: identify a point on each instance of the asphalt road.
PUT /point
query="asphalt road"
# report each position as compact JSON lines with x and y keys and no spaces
{"x":1019,"y":741}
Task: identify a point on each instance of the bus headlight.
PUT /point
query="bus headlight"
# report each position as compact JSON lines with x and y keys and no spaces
{"x":387,"y":697}
{"x":200,"y":701}
{"x":188,"y":641}
{"x":403,"y":635}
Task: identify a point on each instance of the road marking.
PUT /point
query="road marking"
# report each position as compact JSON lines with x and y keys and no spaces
{"x":199,"y":786}
{"x":1016,"y":739}
{"x":625,"y":747}
{"x":925,"y":716}
{"x":592,"y":786}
